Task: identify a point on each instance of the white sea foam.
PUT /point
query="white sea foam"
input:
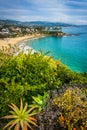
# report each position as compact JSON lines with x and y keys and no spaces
{"x":22,"y":47}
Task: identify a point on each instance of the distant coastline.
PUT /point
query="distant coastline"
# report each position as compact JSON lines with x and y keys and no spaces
{"x":5,"y":42}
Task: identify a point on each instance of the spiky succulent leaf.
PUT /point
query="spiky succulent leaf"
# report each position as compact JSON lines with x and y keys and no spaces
{"x":21,"y":118}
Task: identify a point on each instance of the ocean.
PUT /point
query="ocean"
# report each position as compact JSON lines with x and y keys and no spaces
{"x":70,"y":50}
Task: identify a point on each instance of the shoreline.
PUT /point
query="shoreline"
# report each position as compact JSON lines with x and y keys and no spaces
{"x":17,"y":40}
{"x":5,"y":42}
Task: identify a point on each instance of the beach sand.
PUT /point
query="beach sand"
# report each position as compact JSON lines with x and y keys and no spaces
{"x":14,"y":41}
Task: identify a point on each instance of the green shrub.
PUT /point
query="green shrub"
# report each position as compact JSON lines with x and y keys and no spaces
{"x":65,"y":75}
{"x":32,"y":69}
{"x":40,"y":101}
{"x":24,"y":75}
{"x":27,"y":75}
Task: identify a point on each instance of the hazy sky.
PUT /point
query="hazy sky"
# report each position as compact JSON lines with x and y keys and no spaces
{"x":68,"y":11}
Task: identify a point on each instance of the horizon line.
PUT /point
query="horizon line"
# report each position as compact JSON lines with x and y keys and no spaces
{"x":43,"y":21}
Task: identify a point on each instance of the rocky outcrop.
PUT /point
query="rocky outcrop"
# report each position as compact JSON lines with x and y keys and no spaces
{"x":60,"y":34}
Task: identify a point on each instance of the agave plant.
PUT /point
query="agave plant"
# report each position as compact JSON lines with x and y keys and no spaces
{"x":40,"y":101}
{"x":21,"y":119}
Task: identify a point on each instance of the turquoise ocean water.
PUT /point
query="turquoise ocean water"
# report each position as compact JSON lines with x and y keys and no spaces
{"x":71,"y":50}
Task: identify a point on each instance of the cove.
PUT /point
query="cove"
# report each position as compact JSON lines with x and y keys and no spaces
{"x":70,"y":50}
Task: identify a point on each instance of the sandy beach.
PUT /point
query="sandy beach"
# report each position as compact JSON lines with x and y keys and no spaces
{"x":13,"y":41}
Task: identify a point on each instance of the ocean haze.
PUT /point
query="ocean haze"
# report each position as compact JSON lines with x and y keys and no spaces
{"x":34,"y":23}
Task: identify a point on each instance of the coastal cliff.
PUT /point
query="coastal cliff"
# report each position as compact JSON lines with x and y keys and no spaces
{"x":60,"y":34}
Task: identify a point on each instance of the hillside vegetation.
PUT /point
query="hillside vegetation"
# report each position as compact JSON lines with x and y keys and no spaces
{"x":29,"y":75}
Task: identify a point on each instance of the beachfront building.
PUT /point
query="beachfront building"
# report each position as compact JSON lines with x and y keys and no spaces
{"x":28,"y":30}
{"x":18,"y":29}
{"x":54,"y":31}
{"x":5,"y":31}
